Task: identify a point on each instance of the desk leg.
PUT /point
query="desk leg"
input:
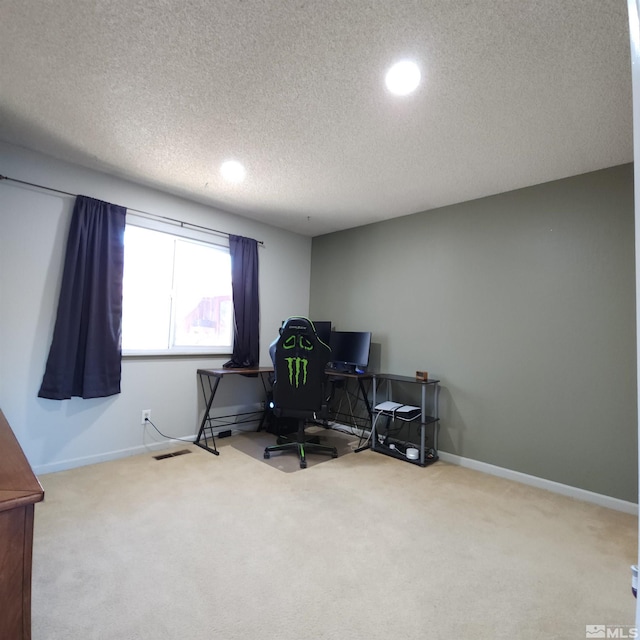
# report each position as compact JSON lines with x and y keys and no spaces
{"x":366,"y":398}
{"x":369,"y":412}
{"x":266,"y":399}
{"x":206,"y":419}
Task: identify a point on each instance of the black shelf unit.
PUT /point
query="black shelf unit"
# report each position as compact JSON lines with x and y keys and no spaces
{"x":430,"y":391}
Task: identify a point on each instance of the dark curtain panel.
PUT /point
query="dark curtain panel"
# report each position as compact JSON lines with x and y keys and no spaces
{"x":246,"y":303}
{"x":85,"y":355}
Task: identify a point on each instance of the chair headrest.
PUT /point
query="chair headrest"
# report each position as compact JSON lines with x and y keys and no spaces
{"x":299,"y":334}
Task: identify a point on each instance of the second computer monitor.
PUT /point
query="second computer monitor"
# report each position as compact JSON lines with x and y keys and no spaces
{"x":350,"y":350}
{"x":323,"y":330}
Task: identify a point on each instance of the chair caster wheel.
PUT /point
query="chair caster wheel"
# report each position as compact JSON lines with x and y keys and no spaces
{"x":334,"y":455}
{"x":303,"y":465}
{"x":266,"y":455}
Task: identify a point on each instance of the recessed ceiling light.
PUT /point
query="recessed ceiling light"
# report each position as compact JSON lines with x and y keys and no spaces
{"x":403,"y":77}
{"x":232,"y":171}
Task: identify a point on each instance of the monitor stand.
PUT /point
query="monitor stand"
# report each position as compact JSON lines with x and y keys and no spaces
{"x":341,"y":367}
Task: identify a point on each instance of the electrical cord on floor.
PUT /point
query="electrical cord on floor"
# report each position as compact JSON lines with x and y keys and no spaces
{"x":373,"y":426}
{"x":162,"y":434}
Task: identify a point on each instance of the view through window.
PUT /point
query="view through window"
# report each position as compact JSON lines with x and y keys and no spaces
{"x":176,"y":294}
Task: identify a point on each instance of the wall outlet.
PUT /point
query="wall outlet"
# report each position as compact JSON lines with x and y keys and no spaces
{"x":146,"y":415}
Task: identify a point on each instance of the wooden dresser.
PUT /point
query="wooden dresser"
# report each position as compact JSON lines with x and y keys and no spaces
{"x":19,"y":491}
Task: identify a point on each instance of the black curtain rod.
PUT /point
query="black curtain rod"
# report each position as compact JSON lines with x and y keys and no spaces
{"x":144,"y":213}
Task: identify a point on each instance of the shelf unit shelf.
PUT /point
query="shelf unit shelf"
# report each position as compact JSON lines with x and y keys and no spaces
{"x":426,"y":456}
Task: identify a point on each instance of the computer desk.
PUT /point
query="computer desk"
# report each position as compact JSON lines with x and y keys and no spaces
{"x":361,"y":378}
{"x":210,"y":380}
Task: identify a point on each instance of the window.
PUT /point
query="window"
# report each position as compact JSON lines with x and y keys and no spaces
{"x":176,"y":294}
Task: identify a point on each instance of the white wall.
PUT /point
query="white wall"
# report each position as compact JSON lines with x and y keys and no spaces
{"x":33,"y":229}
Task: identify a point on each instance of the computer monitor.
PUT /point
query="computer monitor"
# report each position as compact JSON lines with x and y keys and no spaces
{"x":323,"y":330}
{"x":350,"y":350}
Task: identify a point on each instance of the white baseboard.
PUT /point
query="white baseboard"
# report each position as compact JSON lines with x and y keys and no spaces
{"x":346,"y":428}
{"x":72,"y":463}
{"x":541,"y":483}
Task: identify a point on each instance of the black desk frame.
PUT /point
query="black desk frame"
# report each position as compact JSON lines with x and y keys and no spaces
{"x":209,"y":382}
{"x":362,"y":393}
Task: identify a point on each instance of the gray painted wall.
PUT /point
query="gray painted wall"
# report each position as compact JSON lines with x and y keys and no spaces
{"x":33,"y":229}
{"x":523,"y":304}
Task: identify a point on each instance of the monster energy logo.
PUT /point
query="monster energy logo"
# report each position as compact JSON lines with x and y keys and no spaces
{"x":297,"y":366}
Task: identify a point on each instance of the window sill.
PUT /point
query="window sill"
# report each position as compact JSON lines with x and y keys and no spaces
{"x":137,"y":355}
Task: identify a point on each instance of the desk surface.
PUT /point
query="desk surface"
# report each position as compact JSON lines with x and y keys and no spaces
{"x":347,"y":374}
{"x":218,"y":373}
{"x":393,"y":377}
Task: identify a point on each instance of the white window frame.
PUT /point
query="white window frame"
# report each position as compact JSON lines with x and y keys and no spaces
{"x":177,"y":230}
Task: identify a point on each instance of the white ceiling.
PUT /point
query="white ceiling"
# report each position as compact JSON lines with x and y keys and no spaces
{"x":514,"y":93}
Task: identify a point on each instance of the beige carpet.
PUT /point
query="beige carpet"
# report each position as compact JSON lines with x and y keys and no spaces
{"x":199,"y":547}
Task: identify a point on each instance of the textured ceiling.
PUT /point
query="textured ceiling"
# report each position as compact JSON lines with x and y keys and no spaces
{"x":514,"y":93}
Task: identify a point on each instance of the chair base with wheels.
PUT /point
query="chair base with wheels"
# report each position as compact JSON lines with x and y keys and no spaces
{"x":302,"y":444}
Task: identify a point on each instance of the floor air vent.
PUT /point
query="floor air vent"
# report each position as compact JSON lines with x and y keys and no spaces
{"x":164,"y":456}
